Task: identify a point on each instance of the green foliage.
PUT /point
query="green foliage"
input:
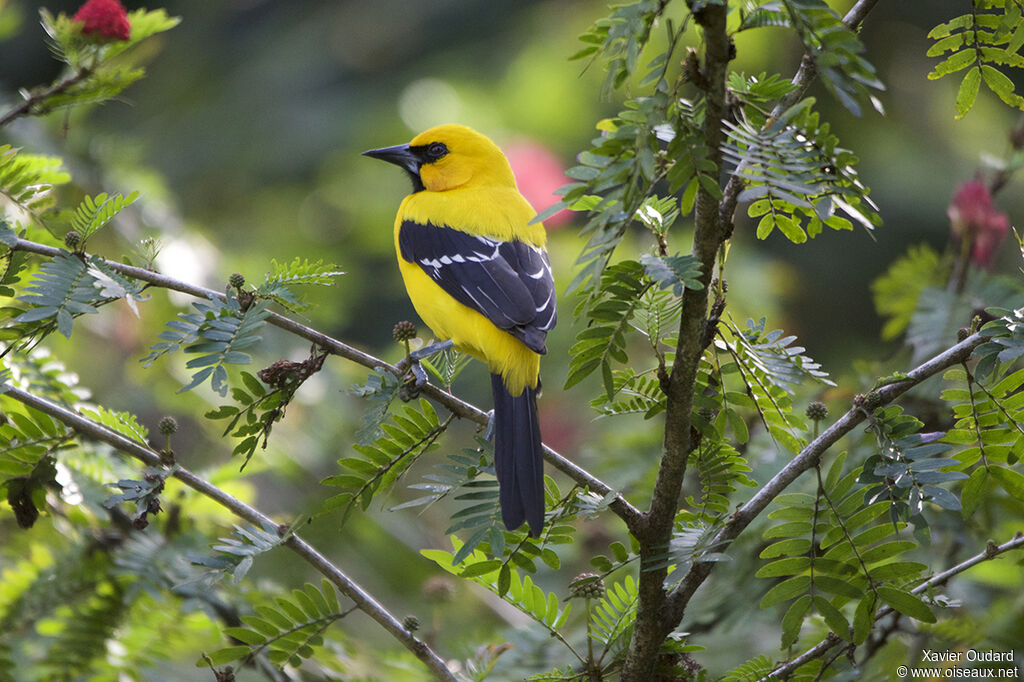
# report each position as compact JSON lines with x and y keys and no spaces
{"x":988,"y":433}
{"x":754,"y":669}
{"x":505,"y":581}
{"x":11,"y":262}
{"x":941,"y":311}
{"x":616,"y":178}
{"x":287,"y":631}
{"x":218,"y":333}
{"x":27,"y":180}
{"x":299,"y":271}
{"x":612,"y":617}
{"x":256,"y":411}
{"x":604,"y":341}
{"x":897,"y":292}
{"x":93,"y":213}
{"x":985,"y":41}
{"x":145,"y":493}
{"x":1005,"y":340}
{"x":620,"y":38}
{"x":836,"y":51}
{"x":61,"y":290}
{"x":241,"y":550}
{"x":380,"y":389}
{"x":65,"y":287}
{"x":771,"y":357}
{"x":770,"y":368}
{"x":675,"y":272}
{"x":632,"y":393}
{"x":124,"y":423}
{"x":80,"y":634}
{"x":797,"y":178}
{"x":406,"y":437}
{"x":838,"y":543}
{"x":99,"y":71}
{"x":906,"y":472}
{"x":720,"y":469}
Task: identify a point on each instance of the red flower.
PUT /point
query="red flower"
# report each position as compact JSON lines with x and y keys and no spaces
{"x":973,"y":217}
{"x":103,"y":19}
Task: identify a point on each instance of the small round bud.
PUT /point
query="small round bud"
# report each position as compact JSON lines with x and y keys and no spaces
{"x":404,"y":331}
{"x":168,"y":425}
{"x":1017,"y":137}
{"x":962,"y":333}
{"x":72,"y":239}
{"x":816,"y":411}
{"x":438,"y":589}
{"x":587,"y":585}
{"x":872,"y":400}
{"x":411,"y":623}
{"x":237,"y":280}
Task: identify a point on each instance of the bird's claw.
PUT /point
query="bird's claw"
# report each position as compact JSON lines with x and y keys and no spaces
{"x":414,"y":378}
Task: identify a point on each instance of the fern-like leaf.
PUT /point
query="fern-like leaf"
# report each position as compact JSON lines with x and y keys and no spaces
{"x":287,"y":630}
{"x":61,"y":290}
{"x":986,"y":41}
{"x":219,"y":333}
{"x":28,"y":179}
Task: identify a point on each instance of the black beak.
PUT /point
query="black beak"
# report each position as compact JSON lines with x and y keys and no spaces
{"x":400,"y":155}
{"x":403,"y":156}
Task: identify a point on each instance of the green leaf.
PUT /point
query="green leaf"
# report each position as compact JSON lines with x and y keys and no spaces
{"x":973,"y":491}
{"x":864,"y":618}
{"x":968,"y":92}
{"x":794,"y":619}
{"x":834,"y":618}
{"x":906,"y":603}
{"x":481,"y":568}
{"x":1009,"y":480}
{"x":222,"y":656}
{"x":999,"y":83}
{"x":787,"y":589}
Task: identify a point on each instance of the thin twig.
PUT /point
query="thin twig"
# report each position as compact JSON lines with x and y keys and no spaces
{"x":460,"y":408}
{"x":33,"y":99}
{"x":351,"y":589}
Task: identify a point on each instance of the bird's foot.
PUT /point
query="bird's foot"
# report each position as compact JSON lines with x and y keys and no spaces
{"x":413,"y":376}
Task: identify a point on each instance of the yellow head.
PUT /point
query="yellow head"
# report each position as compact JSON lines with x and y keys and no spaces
{"x":448,"y":157}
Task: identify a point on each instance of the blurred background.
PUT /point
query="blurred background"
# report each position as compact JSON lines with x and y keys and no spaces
{"x":244,"y":141}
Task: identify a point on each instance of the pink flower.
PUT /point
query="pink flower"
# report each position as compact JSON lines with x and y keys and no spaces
{"x":104,"y":20}
{"x":973,"y":217}
{"x":538,"y":174}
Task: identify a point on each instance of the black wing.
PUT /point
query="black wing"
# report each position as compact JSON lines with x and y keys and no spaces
{"x":509,"y":283}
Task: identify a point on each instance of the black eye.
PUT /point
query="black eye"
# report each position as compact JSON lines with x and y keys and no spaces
{"x":436,"y":150}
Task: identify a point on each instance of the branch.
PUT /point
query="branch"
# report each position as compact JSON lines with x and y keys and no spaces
{"x":807,"y":458}
{"x":455,"y":405}
{"x":802,"y":80}
{"x":33,"y":99}
{"x":819,"y":649}
{"x":351,"y":589}
{"x":656,"y":531}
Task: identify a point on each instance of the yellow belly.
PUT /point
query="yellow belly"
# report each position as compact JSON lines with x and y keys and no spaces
{"x":470,"y":331}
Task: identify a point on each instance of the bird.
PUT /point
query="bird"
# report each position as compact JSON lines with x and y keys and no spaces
{"x":476,"y":268}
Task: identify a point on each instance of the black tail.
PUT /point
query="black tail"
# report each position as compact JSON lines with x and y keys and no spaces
{"x":517,"y":457}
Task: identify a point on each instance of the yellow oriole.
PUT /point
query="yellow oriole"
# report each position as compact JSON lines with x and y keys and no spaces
{"x":478,"y":275}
